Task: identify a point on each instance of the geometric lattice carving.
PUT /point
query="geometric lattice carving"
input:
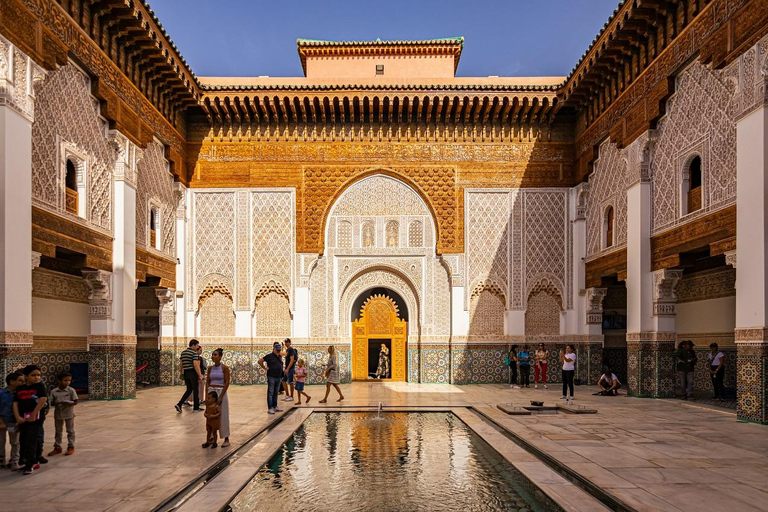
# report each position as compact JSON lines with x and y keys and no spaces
{"x":392,"y":233}
{"x":155,"y":183}
{"x":416,"y":234}
{"x":214,"y":230}
{"x":607,"y":186}
{"x":272,"y":238}
{"x":545,"y":234}
{"x":487,"y":237}
{"x":486,"y":313}
{"x":66,"y":111}
{"x":211,"y":289}
{"x":273,"y":314}
{"x":377,"y":310}
{"x":700,"y":117}
{"x":542,"y":316}
{"x":217,"y":314}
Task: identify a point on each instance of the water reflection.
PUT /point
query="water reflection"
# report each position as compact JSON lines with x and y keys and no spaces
{"x":402,"y":461}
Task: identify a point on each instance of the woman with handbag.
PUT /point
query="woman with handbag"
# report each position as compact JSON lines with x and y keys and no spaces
{"x":511,"y":361}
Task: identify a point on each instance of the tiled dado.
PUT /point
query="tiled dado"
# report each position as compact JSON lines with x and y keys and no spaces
{"x":15,"y":351}
{"x":111,"y":367}
{"x":477,"y":364}
{"x":752,"y":377}
{"x":651,"y":364}
{"x":242,"y":360}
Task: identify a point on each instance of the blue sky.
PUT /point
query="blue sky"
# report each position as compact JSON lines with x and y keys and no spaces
{"x":502,"y":37}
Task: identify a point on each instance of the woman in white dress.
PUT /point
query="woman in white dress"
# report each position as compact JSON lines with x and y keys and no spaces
{"x":217,"y":379}
{"x":332,"y":375}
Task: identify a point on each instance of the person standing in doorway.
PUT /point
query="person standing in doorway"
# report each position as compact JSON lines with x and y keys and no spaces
{"x":524,"y":360}
{"x":190,"y":368}
{"x":540,"y":366}
{"x":332,"y":375}
{"x":291,"y":356}
{"x":717,"y":369}
{"x":686,"y":363}
{"x":272,"y":363}
{"x":217,"y":379}
{"x":568,"y":358}
{"x":512,"y":358}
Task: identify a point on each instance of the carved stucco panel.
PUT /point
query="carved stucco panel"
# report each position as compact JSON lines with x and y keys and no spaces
{"x":607,"y":188}
{"x":66,"y":111}
{"x":214,"y":236}
{"x":155,"y":187}
{"x":272,"y":238}
{"x":700,"y":119}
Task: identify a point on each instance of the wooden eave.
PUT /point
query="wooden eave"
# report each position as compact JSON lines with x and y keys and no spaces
{"x":270,"y":107}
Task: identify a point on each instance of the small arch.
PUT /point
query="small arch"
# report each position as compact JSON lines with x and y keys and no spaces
{"x":70,"y":182}
{"x":368,"y":234}
{"x":273,"y":310}
{"x":392,"y":233}
{"x":691,"y":186}
{"x":609,"y":221}
{"x":216,"y":311}
{"x":155,"y":241}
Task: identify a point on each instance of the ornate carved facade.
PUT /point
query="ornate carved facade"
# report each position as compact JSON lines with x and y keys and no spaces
{"x":497,"y":210}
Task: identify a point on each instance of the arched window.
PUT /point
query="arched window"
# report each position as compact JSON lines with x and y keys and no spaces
{"x":608,"y":228}
{"x":70,"y":182}
{"x":416,"y":234}
{"x":691,"y":196}
{"x":154,"y":241}
{"x":392,"y":232}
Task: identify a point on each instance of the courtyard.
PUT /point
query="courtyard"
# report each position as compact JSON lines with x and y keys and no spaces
{"x":649,"y":454}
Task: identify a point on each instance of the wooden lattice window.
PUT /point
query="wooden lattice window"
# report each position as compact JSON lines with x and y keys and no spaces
{"x":694,"y":192}
{"x":609,"y":224}
{"x":71,"y":188}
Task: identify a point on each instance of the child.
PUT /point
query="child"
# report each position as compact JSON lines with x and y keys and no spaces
{"x":212,"y":419}
{"x":28,"y":404}
{"x":64,"y":398}
{"x":8,"y":420}
{"x":300,"y":376}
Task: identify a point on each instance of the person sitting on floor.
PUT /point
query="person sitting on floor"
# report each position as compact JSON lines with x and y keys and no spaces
{"x":609,"y":384}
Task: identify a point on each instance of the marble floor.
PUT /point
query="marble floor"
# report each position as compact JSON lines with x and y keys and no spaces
{"x":650,"y":454}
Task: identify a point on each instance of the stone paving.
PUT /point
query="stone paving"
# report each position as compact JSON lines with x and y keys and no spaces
{"x":651,"y":454}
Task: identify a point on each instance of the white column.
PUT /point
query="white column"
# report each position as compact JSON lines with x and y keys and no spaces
{"x":180,"y":305}
{"x":18,"y":74}
{"x":752,"y":271}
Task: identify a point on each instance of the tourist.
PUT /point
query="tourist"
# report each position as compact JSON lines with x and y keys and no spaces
{"x":524,"y":360}
{"x":212,"y":418}
{"x":291,"y":356}
{"x":283,"y":378}
{"x":64,"y":399}
{"x":301,"y":377}
{"x":382,"y":371}
{"x":609,"y":384}
{"x":203,"y":370}
{"x":190,"y":368}
{"x":272,"y":363}
{"x":218,"y":379}
{"x":8,"y":420}
{"x":686,"y":364}
{"x":540,"y":366}
{"x":568,"y":358}
{"x":512,"y":362}
{"x":28,"y":405}
{"x":332,"y":375}
{"x":717,"y":370}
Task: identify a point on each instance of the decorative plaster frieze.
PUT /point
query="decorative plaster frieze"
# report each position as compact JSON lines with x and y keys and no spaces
{"x":19,"y":75}
{"x":166,"y":297}
{"x":730,"y":258}
{"x":127,"y":156}
{"x":36,"y":259}
{"x":582,"y":197}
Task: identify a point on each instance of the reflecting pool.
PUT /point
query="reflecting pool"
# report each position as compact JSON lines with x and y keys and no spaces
{"x":398,"y":462}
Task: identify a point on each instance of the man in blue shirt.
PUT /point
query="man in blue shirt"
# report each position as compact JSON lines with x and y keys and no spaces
{"x":524,"y":362}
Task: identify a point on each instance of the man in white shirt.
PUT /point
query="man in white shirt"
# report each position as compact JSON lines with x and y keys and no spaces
{"x":717,"y":369}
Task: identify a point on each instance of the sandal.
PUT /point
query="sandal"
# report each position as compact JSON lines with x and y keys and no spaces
{"x":225,"y":444}
{"x":206,"y":445}
{"x":214,"y":445}
{"x":340,"y":399}
{"x":323,"y":401}
{"x":308,"y":399}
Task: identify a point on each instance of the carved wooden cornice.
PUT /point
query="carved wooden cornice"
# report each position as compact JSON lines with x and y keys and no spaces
{"x":611,"y":264}
{"x":708,"y":230}
{"x":149,"y":264}
{"x":50,"y":231}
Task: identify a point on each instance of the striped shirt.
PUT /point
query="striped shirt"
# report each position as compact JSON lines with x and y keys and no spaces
{"x":188,"y":358}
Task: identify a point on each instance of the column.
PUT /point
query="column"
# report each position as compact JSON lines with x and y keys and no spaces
{"x":167,"y":320}
{"x":112,"y":342}
{"x":752,"y":272}
{"x":650,"y":335}
{"x":18,"y":74}
{"x":589,"y":302}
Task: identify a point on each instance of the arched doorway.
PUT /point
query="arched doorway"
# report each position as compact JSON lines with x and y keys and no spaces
{"x":381,"y":325}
